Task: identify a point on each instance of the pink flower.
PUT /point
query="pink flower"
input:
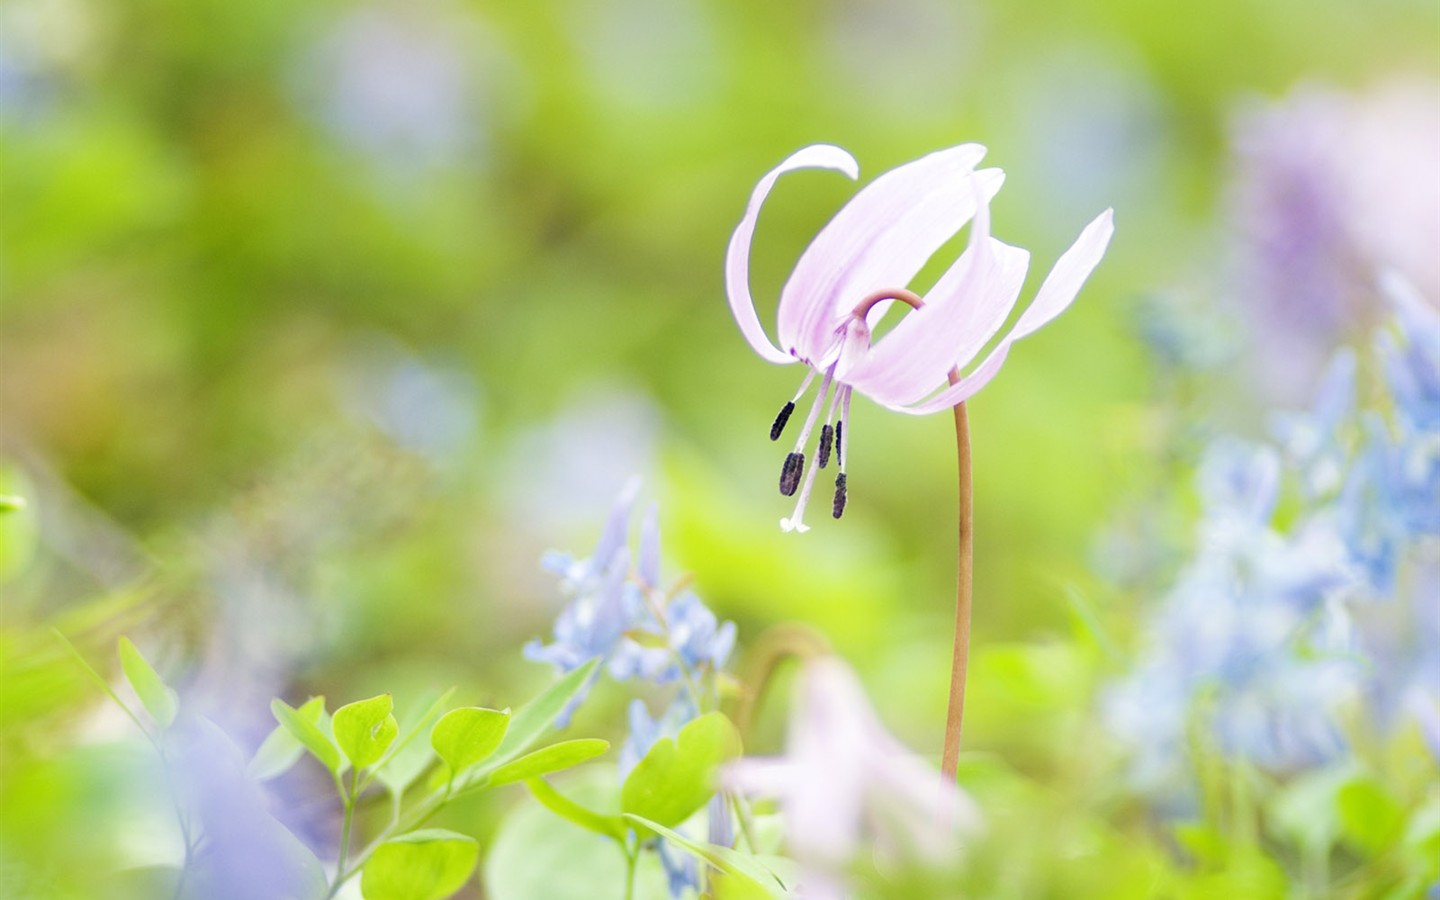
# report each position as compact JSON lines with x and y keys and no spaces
{"x":846,"y":786}
{"x":848,"y":276}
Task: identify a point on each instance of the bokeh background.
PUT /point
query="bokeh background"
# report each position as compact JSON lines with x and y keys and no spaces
{"x":322,"y":321}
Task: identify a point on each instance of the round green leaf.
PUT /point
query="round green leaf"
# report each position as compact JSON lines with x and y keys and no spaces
{"x":677,"y":777}
{"x":430,"y":864}
{"x":365,"y":729}
{"x":467,"y":735}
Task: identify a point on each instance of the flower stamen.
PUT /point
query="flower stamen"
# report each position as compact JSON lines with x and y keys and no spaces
{"x":837,"y":506}
{"x":796,"y":522}
{"x":789,"y":407}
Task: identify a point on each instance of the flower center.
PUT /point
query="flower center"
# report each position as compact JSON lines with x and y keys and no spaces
{"x":793,"y":473}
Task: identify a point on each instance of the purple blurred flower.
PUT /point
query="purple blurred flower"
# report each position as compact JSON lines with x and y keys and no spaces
{"x":246,"y":853}
{"x":846,"y":786}
{"x":878,"y":242}
{"x":1329,"y":190}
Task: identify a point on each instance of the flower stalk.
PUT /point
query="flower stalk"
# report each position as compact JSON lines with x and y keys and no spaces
{"x":964,"y":585}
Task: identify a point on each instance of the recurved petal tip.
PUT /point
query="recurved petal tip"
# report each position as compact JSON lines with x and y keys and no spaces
{"x":737,"y":256}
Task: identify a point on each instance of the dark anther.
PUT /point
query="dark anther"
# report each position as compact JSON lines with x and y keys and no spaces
{"x":790,"y":473}
{"x":827,"y":434}
{"x":839,"y":432}
{"x":838,"y":508}
{"x":781,"y":419}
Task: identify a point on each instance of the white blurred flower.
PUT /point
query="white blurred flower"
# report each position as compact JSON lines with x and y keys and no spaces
{"x":846,"y":786}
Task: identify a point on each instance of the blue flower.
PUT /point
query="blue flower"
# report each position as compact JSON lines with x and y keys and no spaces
{"x":611,"y":600}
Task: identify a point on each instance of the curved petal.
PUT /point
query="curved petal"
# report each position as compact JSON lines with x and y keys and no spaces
{"x":737,"y":255}
{"x":1056,"y":293}
{"x":1069,"y":273}
{"x":880,"y":239}
{"x":961,"y":390}
{"x":961,"y":314}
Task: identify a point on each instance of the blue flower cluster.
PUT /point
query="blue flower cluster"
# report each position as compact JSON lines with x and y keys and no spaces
{"x":619,"y":613}
{"x":1315,"y":581}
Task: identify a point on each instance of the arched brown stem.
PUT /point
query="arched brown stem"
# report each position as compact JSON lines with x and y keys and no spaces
{"x":862,"y":309}
{"x":965,"y":568}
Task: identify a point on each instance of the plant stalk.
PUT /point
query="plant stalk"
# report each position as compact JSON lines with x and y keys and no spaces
{"x":964,"y":576}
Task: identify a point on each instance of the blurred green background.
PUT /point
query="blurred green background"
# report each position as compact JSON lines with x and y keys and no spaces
{"x":322,"y":321}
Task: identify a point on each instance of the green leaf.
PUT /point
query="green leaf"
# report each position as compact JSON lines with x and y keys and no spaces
{"x":365,"y":729}
{"x":307,"y":733}
{"x":280,"y":749}
{"x":752,"y":878}
{"x":465,"y":736}
{"x":1370,"y":817}
{"x":159,"y":700}
{"x":407,"y":759}
{"x":560,"y":805}
{"x":549,"y":759}
{"x":423,"y":865}
{"x":99,"y":681}
{"x":677,"y":776}
{"x":531,"y":720}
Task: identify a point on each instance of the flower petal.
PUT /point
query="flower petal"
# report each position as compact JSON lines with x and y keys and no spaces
{"x":880,"y":239}
{"x":963,"y":389}
{"x":961,"y":314}
{"x":1070,"y":272}
{"x":737,"y":256}
{"x":1056,"y":293}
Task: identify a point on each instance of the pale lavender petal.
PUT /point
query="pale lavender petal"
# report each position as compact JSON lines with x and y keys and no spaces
{"x":880,"y":239}
{"x":758,"y":775}
{"x":1056,"y":293}
{"x":737,"y":257}
{"x":963,"y":389}
{"x":1070,"y":272}
{"x":961,"y":315}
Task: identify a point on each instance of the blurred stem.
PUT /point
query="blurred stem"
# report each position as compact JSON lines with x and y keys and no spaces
{"x":742,"y":815}
{"x":964,"y":575}
{"x":349,"y":800}
{"x":631,"y":858}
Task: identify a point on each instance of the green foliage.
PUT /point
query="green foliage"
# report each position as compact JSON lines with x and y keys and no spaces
{"x":281,"y":750}
{"x":677,"y":776}
{"x":539,"y":714}
{"x":308,"y":733}
{"x":546,"y":760}
{"x":466,"y":736}
{"x":600,"y":823}
{"x":430,"y":864}
{"x":409,"y":756}
{"x":159,"y":700}
{"x":748,"y":878}
{"x":365,"y":729}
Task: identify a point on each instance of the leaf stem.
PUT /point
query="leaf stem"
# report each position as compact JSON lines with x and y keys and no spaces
{"x":631,"y":858}
{"x":964,"y":576}
{"x":348,"y":797}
